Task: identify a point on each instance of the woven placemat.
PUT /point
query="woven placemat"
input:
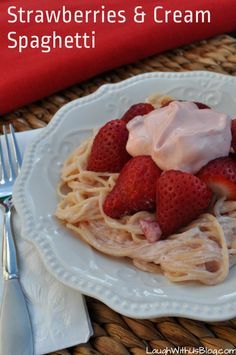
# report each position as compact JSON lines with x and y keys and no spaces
{"x":118,"y":335}
{"x":217,"y":54}
{"x":115,"y":334}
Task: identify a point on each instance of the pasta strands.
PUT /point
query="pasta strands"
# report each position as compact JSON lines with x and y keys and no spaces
{"x":203,"y":251}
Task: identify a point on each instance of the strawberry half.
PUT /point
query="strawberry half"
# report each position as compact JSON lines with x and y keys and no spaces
{"x":181,"y":198}
{"x":135,"y":189}
{"x":220,"y":176}
{"x":233,"y":131}
{"x":108,"y":153}
{"x":140,"y":109}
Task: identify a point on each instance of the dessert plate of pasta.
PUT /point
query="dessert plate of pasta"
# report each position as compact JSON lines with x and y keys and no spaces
{"x":129,"y":195}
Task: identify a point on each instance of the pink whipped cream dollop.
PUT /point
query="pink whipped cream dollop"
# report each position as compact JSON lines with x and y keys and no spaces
{"x":180,"y":136}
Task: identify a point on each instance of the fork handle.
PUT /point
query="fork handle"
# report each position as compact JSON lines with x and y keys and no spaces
{"x":9,"y":258}
{"x":15,"y":327}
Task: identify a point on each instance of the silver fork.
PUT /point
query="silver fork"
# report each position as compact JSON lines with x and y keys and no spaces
{"x":15,"y":326}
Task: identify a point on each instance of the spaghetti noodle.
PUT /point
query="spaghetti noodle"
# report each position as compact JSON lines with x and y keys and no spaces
{"x":203,"y":251}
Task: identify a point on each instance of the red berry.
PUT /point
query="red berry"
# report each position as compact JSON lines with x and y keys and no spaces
{"x":181,"y":198}
{"x":201,"y":106}
{"x":108,"y":153}
{"x":135,"y":189}
{"x":140,"y":109}
{"x":220,"y":176}
{"x":233,"y":131}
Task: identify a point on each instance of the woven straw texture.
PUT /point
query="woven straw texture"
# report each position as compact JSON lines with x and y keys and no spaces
{"x":113,"y":333}
{"x":119,"y":335}
{"x":217,"y":54}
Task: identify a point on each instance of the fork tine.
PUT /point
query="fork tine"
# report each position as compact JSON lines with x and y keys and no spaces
{"x":16,"y":150}
{"x":3,"y":164}
{"x":12,"y":174}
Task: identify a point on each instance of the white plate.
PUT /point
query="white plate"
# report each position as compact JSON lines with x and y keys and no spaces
{"x":114,"y":281}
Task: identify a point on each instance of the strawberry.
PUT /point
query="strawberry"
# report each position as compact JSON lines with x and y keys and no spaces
{"x":135,"y":189}
{"x":108,"y":153}
{"x":233,"y":131}
{"x":220,"y":176}
{"x":181,"y":197}
{"x":140,"y":109}
{"x":201,"y":106}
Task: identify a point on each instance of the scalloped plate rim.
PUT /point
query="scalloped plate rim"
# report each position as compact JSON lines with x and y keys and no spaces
{"x":168,"y":307}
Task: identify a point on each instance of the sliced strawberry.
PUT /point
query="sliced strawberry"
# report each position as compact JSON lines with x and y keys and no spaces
{"x":181,"y":198}
{"x":233,"y":131}
{"x":151,"y":230}
{"x":108,"y":153}
{"x":220,"y":176}
{"x":221,"y":186}
{"x":140,"y":109}
{"x":135,"y":189}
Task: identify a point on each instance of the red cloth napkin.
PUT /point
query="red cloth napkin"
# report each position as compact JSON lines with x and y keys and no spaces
{"x":31,"y":75}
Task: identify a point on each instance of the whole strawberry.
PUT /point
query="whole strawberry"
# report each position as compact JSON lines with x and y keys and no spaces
{"x":220,"y":176}
{"x":181,"y":198}
{"x":135,"y":189}
{"x":233,"y":131}
{"x":140,"y":109}
{"x":108,"y":153}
